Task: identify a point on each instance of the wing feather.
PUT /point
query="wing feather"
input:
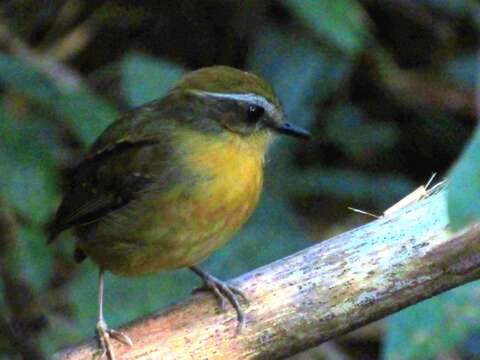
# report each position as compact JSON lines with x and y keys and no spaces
{"x":104,"y":183}
{"x":123,"y":162}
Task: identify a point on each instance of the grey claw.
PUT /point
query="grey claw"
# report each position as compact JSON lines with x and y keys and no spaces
{"x":105,"y":335}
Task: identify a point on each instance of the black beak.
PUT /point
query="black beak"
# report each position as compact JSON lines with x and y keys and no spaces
{"x":292,"y":130}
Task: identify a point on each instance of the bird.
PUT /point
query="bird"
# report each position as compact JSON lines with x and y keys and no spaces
{"x":173,"y":180}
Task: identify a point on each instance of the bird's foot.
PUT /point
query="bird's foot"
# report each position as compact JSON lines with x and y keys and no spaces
{"x":105,"y":335}
{"x":224,"y":292}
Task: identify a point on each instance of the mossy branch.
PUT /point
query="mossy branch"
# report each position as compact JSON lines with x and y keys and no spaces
{"x":316,"y":294}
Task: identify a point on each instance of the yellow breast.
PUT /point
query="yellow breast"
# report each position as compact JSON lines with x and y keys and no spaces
{"x":184,"y":226}
{"x":233,"y":167}
{"x":230,"y":172}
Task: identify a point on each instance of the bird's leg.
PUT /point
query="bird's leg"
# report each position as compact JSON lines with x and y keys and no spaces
{"x":104,"y":333}
{"x":223,"y":293}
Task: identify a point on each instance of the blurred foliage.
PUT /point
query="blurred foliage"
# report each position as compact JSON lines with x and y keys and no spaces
{"x":341,"y":23}
{"x":387,"y":89}
{"x":434,"y":327}
{"x":465,"y":186}
{"x":145,"y":79}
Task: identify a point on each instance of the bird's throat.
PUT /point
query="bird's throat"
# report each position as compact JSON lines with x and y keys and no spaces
{"x":231,"y":170}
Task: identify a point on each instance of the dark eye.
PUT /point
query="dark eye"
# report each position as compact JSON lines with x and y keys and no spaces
{"x":254,"y":113}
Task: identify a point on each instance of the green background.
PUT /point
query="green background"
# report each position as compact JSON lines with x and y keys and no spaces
{"x":386,"y":88}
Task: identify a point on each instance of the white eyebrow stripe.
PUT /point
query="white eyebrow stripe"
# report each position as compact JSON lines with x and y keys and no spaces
{"x":247,"y":98}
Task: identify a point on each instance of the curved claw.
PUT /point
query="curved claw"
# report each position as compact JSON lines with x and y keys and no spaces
{"x":224,"y":292}
{"x":105,"y":335}
{"x":121,"y":337}
{"x":241,"y":294}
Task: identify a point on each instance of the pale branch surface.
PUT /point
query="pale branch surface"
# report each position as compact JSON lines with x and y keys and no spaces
{"x":316,"y":294}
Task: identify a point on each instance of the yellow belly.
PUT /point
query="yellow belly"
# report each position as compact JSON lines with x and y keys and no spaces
{"x":164,"y":231}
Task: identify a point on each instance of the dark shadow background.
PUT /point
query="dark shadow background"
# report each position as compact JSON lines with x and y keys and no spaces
{"x":386,"y":88}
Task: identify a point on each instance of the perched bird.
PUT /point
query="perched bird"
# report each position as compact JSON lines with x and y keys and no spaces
{"x":173,"y":180}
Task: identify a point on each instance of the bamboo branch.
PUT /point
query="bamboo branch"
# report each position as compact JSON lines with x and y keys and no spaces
{"x":316,"y":294}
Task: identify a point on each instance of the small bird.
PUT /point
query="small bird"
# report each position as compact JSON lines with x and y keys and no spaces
{"x":172,"y":181}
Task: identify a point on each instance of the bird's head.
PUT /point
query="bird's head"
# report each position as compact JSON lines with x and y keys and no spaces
{"x":237,"y":101}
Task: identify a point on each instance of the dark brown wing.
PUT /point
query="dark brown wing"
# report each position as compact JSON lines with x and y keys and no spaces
{"x":105,"y":182}
{"x":124,"y":161}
